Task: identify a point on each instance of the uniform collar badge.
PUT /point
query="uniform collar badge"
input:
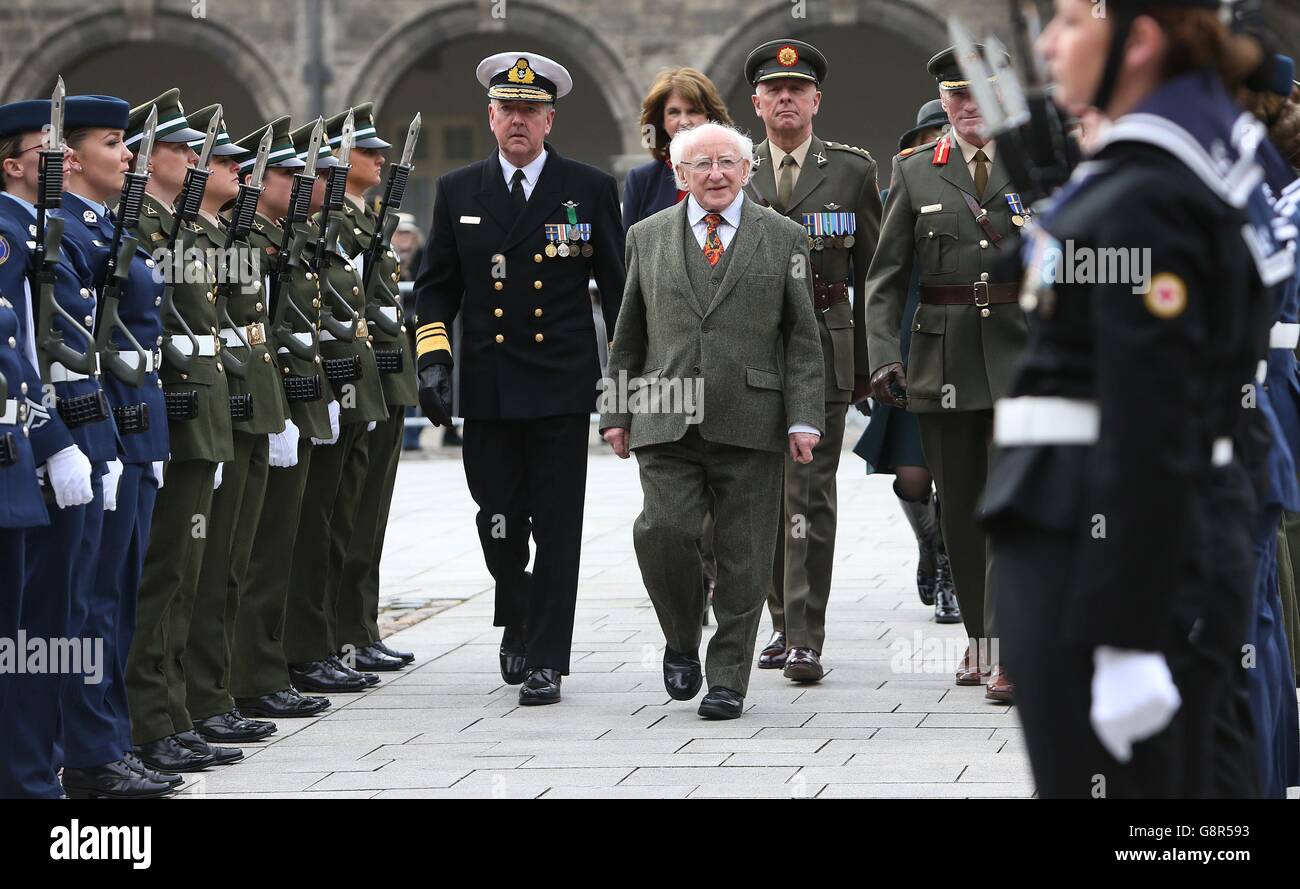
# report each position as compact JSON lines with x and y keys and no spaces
{"x":90,"y":217}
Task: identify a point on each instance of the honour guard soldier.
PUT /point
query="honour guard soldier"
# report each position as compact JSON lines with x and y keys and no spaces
{"x":259,"y":673}
{"x":831,"y":189}
{"x":354,"y":580}
{"x":256,"y":411}
{"x":98,"y":756}
{"x":951,"y":206}
{"x":348,"y":356}
{"x":515,"y":240}
{"x":53,"y":282}
{"x":198,"y":420}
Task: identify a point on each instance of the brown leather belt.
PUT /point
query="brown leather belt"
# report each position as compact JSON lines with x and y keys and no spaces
{"x":826,"y":295}
{"x":981,"y":293}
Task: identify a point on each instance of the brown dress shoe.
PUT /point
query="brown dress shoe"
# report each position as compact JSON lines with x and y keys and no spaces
{"x":803,"y":665}
{"x":967,"y":672}
{"x":1000,"y":687}
{"x":772,"y":657}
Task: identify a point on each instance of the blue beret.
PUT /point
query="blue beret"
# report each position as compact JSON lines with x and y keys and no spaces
{"x":24,"y":117}
{"x":109,"y":112}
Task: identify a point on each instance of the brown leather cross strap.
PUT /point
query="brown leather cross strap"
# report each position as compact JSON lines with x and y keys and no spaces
{"x":981,"y":293}
{"x":826,"y":295}
{"x":982,"y":218}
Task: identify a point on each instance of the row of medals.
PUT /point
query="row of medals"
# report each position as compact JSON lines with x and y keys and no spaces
{"x":579,"y":248}
{"x":831,"y":242}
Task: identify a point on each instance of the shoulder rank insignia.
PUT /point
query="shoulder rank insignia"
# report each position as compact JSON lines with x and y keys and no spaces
{"x":942,"y":149}
{"x":4,"y":250}
{"x":1167,"y":296}
{"x":90,"y":217}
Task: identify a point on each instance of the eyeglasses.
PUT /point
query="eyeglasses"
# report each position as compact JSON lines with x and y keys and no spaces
{"x":704,"y":165}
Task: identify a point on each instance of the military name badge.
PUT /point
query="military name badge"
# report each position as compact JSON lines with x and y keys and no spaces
{"x":552,"y":237}
{"x":1018,"y":214}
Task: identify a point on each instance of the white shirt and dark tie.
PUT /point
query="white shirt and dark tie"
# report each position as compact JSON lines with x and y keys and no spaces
{"x":531,"y":171}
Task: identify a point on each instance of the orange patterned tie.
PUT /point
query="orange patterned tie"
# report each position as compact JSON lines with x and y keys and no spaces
{"x":713,"y":243}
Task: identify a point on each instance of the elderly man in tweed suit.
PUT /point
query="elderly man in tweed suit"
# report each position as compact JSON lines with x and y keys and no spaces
{"x":715,"y":372}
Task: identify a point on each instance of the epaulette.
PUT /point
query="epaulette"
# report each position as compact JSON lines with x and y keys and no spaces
{"x":840,"y":146}
{"x":918,"y":150}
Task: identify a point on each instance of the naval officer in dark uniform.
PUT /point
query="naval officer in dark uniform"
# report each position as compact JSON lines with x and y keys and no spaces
{"x":515,"y":240}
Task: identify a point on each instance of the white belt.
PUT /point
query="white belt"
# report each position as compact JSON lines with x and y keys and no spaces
{"x":61,"y":374}
{"x":207,"y":345}
{"x":132,"y":360}
{"x":10,"y":415}
{"x":304,"y":338}
{"x":390,"y":312}
{"x":1037,"y":420}
{"x":255,"y":334}
{"x":1284,"y":336}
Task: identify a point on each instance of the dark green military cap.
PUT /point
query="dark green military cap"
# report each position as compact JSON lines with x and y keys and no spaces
{"x":947,"y":71}
{"x":302,"y":137}
{"x":172,"y":125}
{"x":785,"y":58}
{"x":283,"y":154}
{"x":363,"y":122}
{"x":223,"y":146}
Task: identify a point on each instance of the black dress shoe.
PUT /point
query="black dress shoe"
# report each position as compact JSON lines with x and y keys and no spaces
{"x":682,"y":674}
{"x":232,"y":727}
{"x":115,"y":780}
{"x":133,"y":762}
{"x":772,"y":657}
{"x":323,"y":676}
{"x":405,"y":657}
{"x":368,"y":678}
{"x":803,"y":665}
{"x":541,"y":686}
{"x":513,"y":656}
{"x":170,"y":755}
{"x":221,"y":756}
{"x":721,"y":703}
{"x":284,"y":704}
{"x":371,"y":658}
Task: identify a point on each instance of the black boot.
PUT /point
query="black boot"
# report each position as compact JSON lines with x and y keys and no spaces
{"x":923,"y":516}
{"x":946,"y":609}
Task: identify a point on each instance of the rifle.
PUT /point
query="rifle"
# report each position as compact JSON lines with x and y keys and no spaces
{"x":293,"y":240}
{"x":241,"y":223}
{"x":118,"y":268}
{"x":49,"y":237}
{"x":376,"y":289}
{"x":327,"y":234}
{"x":187,"y":210}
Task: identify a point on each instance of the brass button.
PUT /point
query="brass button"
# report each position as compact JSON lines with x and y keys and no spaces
{"x":393,"y":276}
{"x":90,"y":320}
{"x":984,"y":313}
{"x":214,"y":330}
{"x":537,"y":257}
{"x":916,"y":327}
{"x":537,"y":313}
{"x":85,"y":293}
{"x":499,"y":286}
{"x":500,"y":338}
{"x":537,"y":285}
{"x":984,"y":245}
{"x":356,"y":290}
{"x":347,"y":266}
{"x":13,"y":343}
{"x":283,"y":369}
{"x":984,"y":276}
{"x":539,"y":338}
{"x":221,"y":368}
{"x":266,"y":357}
{"x":259,"y":307}
{"x":498,"y":312}
{"x":315,"y":303}
{"x":310,"y":276}
{"x":185,"y":376}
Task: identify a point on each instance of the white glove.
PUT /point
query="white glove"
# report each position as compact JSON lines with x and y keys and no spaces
{"x":334,"y":426}
{"x":1133,"y":698}
{"x":158,"y":472}
{"x":216,"y":479}
{"x":370,"y":427}
{"x":69,"y":475}
{"x":111,"y":479}
{"x":284,"y":447}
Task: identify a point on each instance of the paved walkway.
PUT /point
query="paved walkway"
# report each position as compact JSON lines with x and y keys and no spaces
{"x":886,"y":722}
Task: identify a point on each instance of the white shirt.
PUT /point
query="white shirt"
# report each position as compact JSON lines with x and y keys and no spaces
{"x":531,"y":172}
{"x":726,"y":233}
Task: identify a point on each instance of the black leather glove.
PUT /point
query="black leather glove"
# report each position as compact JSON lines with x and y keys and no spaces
{"x":435,"y":394}
{"x":889,"y":385}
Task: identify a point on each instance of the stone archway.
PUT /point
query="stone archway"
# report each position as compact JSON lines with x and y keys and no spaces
{"x":405,"y":44}
{"x":81,"y":37}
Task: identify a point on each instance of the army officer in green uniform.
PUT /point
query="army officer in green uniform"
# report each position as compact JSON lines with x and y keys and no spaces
{"x":829,"y":188}
{"x":354,"y":563}
{"x":951,"y":208}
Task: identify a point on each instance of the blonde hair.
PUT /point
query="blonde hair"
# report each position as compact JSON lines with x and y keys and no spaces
{"x":693,"y":86}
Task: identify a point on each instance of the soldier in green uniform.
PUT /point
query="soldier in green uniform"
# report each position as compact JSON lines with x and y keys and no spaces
{"x":830,"y":188}
{"x":337,"y":472}
{"x":257,"y":410}
{"x":951,"y":207}
{"x":198,"y":418}
{"x":354,"y":564}
{"x":259,"y":673}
